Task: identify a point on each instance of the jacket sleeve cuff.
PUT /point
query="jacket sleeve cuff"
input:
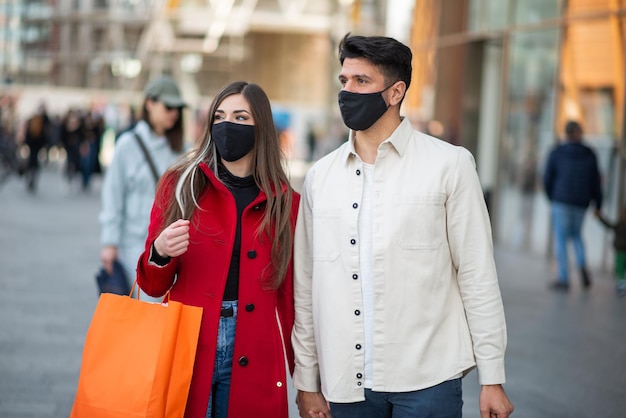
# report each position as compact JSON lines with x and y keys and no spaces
{"x":307,"y":379}
{"x":491,"y":372}
{"x":157,"y":259}
{"x":110,"y":238}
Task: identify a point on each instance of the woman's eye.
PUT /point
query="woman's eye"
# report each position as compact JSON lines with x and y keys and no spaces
{"x":218,"y":117}
{"x":241,"y":117}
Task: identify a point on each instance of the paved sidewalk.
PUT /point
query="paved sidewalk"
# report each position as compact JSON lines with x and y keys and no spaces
{"x":566,"y":355}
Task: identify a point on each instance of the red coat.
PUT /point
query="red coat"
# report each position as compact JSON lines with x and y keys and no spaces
{"x":265,"y":317}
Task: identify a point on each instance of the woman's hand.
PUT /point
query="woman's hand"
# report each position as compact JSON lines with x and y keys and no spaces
{"x":108,"y":255}
{"x":174,"y":240}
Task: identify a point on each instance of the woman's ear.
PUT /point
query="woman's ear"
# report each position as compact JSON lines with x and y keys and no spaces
{"x":150,"y":104}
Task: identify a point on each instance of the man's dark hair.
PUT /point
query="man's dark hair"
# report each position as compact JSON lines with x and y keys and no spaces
{"x":572,"y":127}
{"x":390,"y":56}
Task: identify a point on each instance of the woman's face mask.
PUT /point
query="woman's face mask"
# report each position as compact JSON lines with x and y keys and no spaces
{"x":232,"y":140}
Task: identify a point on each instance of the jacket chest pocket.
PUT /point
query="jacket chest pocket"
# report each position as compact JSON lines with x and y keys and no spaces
{"x":420,"y":221}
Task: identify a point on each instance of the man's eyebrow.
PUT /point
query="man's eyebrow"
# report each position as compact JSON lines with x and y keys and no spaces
{"x":354,"y":76}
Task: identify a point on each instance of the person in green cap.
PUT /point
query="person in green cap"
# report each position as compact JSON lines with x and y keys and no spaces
{"x":141,"y":155}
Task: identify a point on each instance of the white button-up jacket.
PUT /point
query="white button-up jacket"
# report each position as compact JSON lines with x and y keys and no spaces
{"x":437,"y":305}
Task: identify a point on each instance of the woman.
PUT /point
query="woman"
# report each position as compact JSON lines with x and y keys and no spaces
{"x":129,"y":184}
{"x":220,"y":237}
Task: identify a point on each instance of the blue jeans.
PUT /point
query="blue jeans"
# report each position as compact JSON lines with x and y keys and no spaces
{"x":567,"y":221}
{"x":444,"y":400}
{"x":220,"y":385}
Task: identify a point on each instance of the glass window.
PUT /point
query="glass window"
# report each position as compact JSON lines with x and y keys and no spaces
{"x":527,"y":138}
{"x":485,"y":15}
{"x":531,"y":11}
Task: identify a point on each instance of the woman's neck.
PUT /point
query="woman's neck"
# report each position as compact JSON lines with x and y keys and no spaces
{"x":240,"y":168}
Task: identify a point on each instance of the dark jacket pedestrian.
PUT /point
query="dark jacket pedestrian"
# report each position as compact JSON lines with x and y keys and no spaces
{"x":572,"y":175}
{"x":36,"y":136}
{"x":571,"y":181}
{"x":72,"y":137}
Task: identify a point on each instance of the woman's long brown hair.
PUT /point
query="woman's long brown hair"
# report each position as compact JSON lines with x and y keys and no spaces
{"x":267,"y":169}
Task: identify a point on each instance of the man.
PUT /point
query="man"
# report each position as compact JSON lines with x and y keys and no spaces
{"x":571,"y":181}
{"x":396,"y":289}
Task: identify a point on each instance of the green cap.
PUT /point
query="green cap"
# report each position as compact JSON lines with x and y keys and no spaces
{"x":164,"y":89}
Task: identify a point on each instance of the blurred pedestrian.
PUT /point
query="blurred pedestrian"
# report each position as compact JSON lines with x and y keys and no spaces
{"x":72,"y":138}
{"x":36,"y":136}
{"x":571,"y":182}
{"x":396,"y":290}
{"x":311,"y":142}
{"x":619,"y":245}
{"x":129,"y":182}
{"x":90,"y":148}
{"x":221,"y":235}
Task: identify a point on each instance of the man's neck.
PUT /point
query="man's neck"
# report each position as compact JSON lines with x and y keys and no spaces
{"x":366,"y":142}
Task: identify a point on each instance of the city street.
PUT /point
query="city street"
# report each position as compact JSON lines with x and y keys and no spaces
{"x":566,"y":355}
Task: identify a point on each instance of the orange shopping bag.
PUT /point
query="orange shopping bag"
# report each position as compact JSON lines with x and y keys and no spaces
{"x":137,"y":360}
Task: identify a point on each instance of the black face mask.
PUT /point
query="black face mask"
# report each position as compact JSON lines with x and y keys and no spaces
{"x":232,"y":140}
{"x":359,"y":111}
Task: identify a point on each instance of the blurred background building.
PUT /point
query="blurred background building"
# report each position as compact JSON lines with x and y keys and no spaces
{"x":499,"y":77}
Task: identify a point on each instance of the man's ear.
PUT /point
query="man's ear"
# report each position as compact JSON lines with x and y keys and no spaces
{"x":396,"y":92}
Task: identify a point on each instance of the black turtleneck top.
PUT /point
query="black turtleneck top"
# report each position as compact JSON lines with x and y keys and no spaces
{"x":244,"y":190}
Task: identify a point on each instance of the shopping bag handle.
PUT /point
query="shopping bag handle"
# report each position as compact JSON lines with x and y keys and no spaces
{"x":165,"y":300}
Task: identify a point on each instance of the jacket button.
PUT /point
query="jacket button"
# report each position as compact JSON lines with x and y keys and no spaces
{"x":251,"y":254}
{"x":358,"y":172}
{"x":355,"y":276}
{"x":243,"y":361}
{"x":279,"y":384}
{"x":358,"y":346}
{"x":359,"y":375}
{"x":357,"y":312}
{"x":352,"y":241}
{"x":355,"y":205}
{"x":249,"y":307}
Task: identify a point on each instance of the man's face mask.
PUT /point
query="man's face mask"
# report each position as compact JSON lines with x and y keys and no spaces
{"x":360,"y":111}
{"x":232,"y":140}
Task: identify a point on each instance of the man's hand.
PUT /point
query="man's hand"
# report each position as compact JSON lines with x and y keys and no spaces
{"x":494,"y":403}
{"x":312,"y":405}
